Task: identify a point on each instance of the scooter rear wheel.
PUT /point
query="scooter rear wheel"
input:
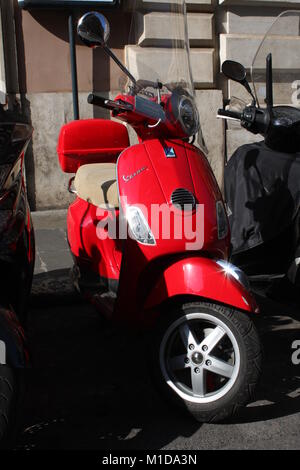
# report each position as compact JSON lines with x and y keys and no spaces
{"x":207,"y":358}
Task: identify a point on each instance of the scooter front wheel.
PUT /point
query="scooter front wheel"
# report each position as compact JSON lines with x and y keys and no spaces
{"x":207,"y":358}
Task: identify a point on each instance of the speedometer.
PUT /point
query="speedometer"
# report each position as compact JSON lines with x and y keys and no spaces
{"x":188,"y":115}
{"x":185,"y":111}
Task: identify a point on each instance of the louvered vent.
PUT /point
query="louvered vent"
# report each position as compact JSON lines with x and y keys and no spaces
{"x":183,"y":199}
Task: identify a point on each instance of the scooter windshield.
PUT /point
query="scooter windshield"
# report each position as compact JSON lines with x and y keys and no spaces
{"x":283,"y":42}
{"x":157,"y":54}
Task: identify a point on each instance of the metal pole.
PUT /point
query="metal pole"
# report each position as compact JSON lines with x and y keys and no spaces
{"x":73,"y":67}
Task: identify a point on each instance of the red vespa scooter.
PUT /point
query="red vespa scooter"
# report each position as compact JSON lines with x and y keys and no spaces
{"x":168,"y":272}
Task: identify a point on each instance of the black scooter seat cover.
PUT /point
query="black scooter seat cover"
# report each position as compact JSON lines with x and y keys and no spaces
{"x":262,"y":190}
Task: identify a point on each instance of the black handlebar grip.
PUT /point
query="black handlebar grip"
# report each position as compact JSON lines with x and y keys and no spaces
{"x":230,"y":114}
{"x":98,"y":101}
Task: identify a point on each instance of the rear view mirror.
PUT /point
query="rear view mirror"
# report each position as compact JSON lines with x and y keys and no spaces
{"x":237,"y":72}
{"x":234,"y":71}
{"x":93,"y":29}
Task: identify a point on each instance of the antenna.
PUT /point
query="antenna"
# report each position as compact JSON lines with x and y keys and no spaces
{"x":269,"y":84}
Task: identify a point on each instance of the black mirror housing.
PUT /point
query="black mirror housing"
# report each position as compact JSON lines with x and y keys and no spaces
{"x":237,"y":72}
{"x":93,"y":29}
{"x":234,"y":71}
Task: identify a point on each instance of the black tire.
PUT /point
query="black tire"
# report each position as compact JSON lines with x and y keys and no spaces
{"x":247,"y":369}
{"x":7,"y":406}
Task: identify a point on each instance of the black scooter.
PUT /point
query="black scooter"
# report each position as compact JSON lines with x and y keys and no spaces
{"x":262,"y":188}
{"x":261,"y":184}
{"x":17,"y":255}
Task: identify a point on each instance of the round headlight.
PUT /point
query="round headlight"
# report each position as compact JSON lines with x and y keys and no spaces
{"x":188,"y":115}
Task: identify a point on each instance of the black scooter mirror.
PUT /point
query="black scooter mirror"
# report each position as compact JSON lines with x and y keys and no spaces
{"x":234,"y":71}
{"x":93,"y":29}
{"x":237,"y":72}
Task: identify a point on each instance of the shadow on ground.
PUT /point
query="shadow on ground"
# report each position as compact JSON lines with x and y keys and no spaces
{"x":90,"y":389}
{"x":279,"y":391}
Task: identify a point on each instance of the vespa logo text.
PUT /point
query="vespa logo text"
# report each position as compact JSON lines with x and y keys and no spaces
{"x":2,"y":353}
{"x":127,"y":178}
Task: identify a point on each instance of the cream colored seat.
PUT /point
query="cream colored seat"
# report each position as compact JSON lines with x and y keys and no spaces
{"x":96,"y":183}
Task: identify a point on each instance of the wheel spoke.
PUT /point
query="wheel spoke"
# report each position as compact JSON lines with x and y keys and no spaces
{"x":199,"y":382}
{"x":187,"y":335}
{"x":211,"y":341}
{"x":220,"y":367}
{"x":178,"y":362}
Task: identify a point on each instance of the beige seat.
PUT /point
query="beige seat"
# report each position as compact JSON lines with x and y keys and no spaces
{"x":96,"y":183}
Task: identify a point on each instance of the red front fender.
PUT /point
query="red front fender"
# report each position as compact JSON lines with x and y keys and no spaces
{"x":204,"y":278}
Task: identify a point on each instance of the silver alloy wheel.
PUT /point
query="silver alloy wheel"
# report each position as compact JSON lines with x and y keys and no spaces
{"x":202,"y":339}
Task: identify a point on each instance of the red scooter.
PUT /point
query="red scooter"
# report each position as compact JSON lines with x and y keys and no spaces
{"x":149,"y":233}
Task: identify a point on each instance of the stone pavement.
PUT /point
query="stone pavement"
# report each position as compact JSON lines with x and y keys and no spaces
{"x":52,"y":250}
{"x":90,"y":386}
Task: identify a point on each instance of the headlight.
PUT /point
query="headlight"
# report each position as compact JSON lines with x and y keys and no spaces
{"x":235,"y":272}
{"x":188,"y":115}
{"x":221,"y":220}
{"x":139,"y":226}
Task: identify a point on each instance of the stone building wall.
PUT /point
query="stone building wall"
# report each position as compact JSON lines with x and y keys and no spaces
{"x":241,"y":27}
{"x":35,"y":68}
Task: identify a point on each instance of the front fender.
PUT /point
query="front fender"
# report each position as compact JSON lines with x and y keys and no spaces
{"x":13,"y":350}
{"x":201,"y":277}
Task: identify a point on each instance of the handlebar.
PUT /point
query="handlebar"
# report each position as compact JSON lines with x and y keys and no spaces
{"x":142,"y":106}
{"x":230,"y":114}
{"x":97,"y":101}
{"x":254,"y":119}
{"x":109,"y":104}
